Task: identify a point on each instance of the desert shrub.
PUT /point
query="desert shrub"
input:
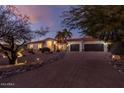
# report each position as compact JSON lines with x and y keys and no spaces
{"x":58,"y":50}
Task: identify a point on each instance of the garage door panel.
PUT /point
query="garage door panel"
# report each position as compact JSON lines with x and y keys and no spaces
{"x":74,"y":47}
{"x":94,"y":47}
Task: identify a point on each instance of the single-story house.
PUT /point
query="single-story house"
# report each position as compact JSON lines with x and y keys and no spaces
{"x":86,"y":43}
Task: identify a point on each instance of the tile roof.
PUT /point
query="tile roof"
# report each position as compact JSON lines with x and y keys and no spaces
{"x":84,"y":39}
{"x":41,"y":40}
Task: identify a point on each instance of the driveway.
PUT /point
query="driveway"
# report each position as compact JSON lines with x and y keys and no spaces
{"x":83,"y":70}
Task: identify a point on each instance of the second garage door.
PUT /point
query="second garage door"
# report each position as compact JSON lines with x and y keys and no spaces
{"x":93,"y":47}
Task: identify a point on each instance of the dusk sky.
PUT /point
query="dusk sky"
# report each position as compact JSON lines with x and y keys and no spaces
{"x":46,"y":16}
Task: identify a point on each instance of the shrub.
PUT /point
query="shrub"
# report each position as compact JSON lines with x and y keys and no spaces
{"x":118,"y":48}
{"x":45,"y":49}
{"x":30,"y":51}
{"x":58,"y":50}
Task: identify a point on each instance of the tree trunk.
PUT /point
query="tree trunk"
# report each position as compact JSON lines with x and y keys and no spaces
{"x":12,"y":61}
{"x":12,"y":58}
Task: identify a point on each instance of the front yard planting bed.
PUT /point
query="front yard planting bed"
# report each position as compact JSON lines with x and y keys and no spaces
{"x":10,"y":70}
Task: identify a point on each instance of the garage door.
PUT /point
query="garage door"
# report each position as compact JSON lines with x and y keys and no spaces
{"x":74,"y":47}
{"x":94,"y":47}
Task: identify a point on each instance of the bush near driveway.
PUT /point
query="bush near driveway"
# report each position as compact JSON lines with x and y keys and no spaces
{"x":31,"y":51}
{"x":118,"y":48}
{"x":45,"y":50}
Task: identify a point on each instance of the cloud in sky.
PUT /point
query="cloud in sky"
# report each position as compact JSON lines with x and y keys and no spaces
{"x":38,"y":14}
{"x":46,"y":16}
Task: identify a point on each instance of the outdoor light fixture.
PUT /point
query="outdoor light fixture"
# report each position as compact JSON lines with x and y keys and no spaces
{"x":115,"y":57}
{"x":38,"y":59}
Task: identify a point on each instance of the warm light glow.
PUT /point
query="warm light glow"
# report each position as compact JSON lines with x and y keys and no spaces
{"x":19,"y":54}
{"x":4,"y":56}
{"x":55,"y":42}
{"x":38,"y":59}
{"x":59,"y":46}
{"x":105,"y":43}
{"x":49,"y":44}
{"x":31,"y":46}
{"x":39,"y":45}
{"x":115,"y":57}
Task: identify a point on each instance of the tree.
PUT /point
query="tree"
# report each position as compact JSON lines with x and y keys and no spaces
{"x":67,"y":34}
{"x":14,"y":32}
{"x":62,"y":37}
{"x":102,"y":22}
{"x":42,"y":31}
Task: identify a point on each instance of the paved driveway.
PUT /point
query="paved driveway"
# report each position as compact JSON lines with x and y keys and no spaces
{"x":75,"y":70}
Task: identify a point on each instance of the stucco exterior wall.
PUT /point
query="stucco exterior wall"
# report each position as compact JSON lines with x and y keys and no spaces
{"x":52,"y":44}
{"x":75,"y":42}
{"x":81,"y":43}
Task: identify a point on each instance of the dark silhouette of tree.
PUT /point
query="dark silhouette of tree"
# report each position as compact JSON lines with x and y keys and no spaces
{"x":103,"y":22}
{"x":67,"y":34}
{"x":14,"y":32}
{"x":62,"y":37}
{"x":42,"y":31}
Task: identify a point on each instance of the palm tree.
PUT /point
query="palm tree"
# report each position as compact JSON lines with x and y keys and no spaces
{"x":62,"y":37}
{"x":67,"y":34}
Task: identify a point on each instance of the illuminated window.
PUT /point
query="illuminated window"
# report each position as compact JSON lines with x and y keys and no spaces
{"x":49,"y":44}
{"x":39,"y":45}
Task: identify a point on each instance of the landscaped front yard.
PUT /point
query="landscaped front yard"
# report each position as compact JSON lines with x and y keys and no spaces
{"x":27,"y":63}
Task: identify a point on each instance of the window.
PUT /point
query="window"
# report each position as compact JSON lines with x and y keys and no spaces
{"x":39,"y":45}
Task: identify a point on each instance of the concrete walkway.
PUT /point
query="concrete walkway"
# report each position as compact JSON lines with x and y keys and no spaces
{"x":75,"y":70}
